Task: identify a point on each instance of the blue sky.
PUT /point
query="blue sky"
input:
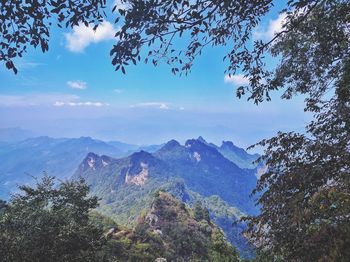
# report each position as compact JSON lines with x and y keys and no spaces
{"x":73,"y":91}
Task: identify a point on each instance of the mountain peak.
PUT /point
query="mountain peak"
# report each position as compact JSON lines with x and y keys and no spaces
{"x":172,"y":143}
{"x":140,"y":154}
{"x":201,"y":139}
{"x":197,"y":143}
{"x":169,"y":147}
{"x":228,"y":144}
{"x":85,"y":138}
{"x":92,"y":155}
{"x":142,"y":157}
{"x":91,"y":161}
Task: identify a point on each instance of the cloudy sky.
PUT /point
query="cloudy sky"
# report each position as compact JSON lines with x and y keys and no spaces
{"x":73,"y":91}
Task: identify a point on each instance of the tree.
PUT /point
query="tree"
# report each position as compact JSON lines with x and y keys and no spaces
{"x":305,"y":201}
{"x":49,"y":223}
{"x":28,"y":23}
{"x":2,"y":206}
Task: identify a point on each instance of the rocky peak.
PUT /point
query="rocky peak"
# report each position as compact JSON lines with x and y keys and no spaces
{"x":142,"y":156}
{"x":199,"y":148}
{"x":139,"y":178}
{"x":171,"y":144}
{"x":93,"y":161}
{"x":201,"y":139}
{"x":227,"y":144}
{"x":138,"y":170}
{"x":90,"y":161}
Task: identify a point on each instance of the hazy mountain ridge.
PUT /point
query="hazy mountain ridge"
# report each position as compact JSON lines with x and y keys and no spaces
{"x":59,"y":157}
{"x":14,"y":134}
{"x":236,"y":154}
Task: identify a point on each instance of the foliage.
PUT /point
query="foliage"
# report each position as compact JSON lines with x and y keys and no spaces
{"x":28,"y":23}
{"x":156,"y":26}
{"x":151,"y":28}
{"x":184,"y":237}
{"x":49,"y":223}
{"x":166,"y":230}
{"x":306,"y":192}
{"x":2,"y":206}
{"x":56,"y":223}
{"x":201,"y":212}
{"x":157,"y":23}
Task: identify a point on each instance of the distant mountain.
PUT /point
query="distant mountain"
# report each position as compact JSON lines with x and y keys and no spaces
{"x":14,"y":134}
{"x":238,"y":155}
{"x":151,"y":148}
{"x":193,"y":172}
{"x":206,"y":171}
{"x":56,"y":156}
{"x":123,"y":147}
{"x":235,"y":154}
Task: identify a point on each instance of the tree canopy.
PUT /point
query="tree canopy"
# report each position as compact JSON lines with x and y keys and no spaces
{"x":28,"y":23}
{"x":148,"y":30}
{"x":46,"y":223}
{"x":305,"y":195}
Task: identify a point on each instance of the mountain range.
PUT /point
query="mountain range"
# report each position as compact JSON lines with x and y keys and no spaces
{"x":125,"y":177}
{"x":59,"y":157}
{"x":193,"y":172}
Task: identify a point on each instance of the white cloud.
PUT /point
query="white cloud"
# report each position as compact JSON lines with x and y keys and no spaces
{"x":88,"y":103}
{"x":82,"y":36}
{"x":118,"y":91}
{"x":157,"y":105}
{"x":238,"y":80}
{"x":77,"y":84}
{"x":35,"y":99}
{"x":274,"y":27}
{"x":181,"y":108}
{"x":57,"y":100}
{"x":58,"y":103}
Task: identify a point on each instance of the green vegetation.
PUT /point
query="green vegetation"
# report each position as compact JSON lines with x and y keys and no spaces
{"x":184,"y":234}
{"x":58,"y":223}
{"x":305,"y":195}
{"x":49,"y":223}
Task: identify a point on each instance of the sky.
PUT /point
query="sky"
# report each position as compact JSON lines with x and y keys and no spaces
{"x":73,"y":91}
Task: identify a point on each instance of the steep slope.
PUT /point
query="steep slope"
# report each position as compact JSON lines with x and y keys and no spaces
{"x":234,"y":153}
{"x":208,"y":172}
{"x":237,"y":155}
{"x":125,"y":185}
{"x":187,"y":234}
{"x":168,"y":229}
